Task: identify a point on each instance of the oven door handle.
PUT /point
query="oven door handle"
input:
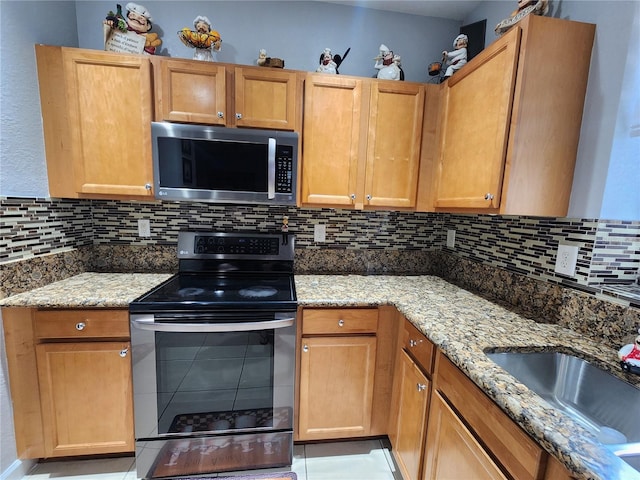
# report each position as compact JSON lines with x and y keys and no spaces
{"x":147,"y":322}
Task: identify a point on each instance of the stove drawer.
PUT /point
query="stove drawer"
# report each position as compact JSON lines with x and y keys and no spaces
{"x":339,"y":321}
{"x":79,"y":324}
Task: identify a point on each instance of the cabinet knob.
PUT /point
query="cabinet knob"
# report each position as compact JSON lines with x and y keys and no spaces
{"x":123,"y":353}
{"x":369,"y":198}
{"x":421,"y":387}
{"x":147,"y":186}
{"x":305,"y":348}
{"x":341,"y":323}
{"x":80,"y":326}
{"x":353,"y":196}
{"x":239,"y":116}
{"x":488,"y":196}
{"x":220,"y":114}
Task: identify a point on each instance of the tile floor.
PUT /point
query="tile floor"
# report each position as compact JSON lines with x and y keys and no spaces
{"x":353,"y":460}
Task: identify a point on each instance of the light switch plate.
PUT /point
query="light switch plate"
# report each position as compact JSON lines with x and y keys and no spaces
{"x":144,"y":228}
{"x":451,"y":238}
{"x":319,"y":233}
{"x":566,"y":260}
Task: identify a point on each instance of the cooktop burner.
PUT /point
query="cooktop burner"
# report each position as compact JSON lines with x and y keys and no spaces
{"x":229,"y":271}
{"x":258,"y":292}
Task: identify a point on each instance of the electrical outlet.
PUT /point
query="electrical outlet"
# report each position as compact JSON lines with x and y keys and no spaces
{"x":319,"y":233}
{"x":566,"y":260}
{"x":144,"y":228}
{"x":451,"y":239}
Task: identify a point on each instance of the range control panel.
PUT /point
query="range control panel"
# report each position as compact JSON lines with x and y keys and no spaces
{"x":221,"y":245}
{"x":235,"y":245}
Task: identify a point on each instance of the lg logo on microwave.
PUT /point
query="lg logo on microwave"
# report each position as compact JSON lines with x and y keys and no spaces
{"x":162,"y":193}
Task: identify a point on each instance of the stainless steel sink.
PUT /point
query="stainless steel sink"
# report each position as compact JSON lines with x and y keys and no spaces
{"x":601,"y":402}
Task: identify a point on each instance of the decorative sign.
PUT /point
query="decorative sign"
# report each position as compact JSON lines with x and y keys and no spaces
{"x":121,"y":42}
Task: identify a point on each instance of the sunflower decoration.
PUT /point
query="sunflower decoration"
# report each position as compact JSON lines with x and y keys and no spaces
{"x":202,"y":38}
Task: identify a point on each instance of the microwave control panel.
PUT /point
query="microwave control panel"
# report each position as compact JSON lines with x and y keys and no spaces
{"x":284,"y":169}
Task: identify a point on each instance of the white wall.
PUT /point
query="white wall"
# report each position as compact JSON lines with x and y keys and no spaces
{"x":296,"y":31}
{"x":22,"y":165}
{"x":22,"y":24}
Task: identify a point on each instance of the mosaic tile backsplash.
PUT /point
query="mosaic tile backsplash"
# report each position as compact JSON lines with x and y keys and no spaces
{"x":374,"y":242}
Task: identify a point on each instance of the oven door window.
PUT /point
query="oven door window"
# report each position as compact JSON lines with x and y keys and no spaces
{"x":213,"y":165}
{"x":215,"y":382}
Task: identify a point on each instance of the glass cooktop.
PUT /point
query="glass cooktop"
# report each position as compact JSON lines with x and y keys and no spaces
{"x":185,"y":291}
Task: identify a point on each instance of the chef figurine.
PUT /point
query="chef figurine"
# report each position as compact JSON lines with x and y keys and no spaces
{"x":327,"y":65}
{"x":138,"y":20}
{"x":202,"y":38}
{"x":457,"y":58}
{"x":629,"y":356}
{"x":384,"y":55}
{"x":388,"y":65}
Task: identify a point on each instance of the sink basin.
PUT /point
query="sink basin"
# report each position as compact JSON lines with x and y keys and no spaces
{"x":599,"y":401}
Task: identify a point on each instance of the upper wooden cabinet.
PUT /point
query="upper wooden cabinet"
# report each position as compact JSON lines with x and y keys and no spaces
{"x":227,"y":95}
{"x":267,"y":98}
{"x":361,"y":142}
{"x":512,"y":120}
{"x":188,"y":91}
{"x":96,"y":112}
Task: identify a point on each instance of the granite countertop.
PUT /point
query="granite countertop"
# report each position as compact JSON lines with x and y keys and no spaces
{"x":464,"y":326}
{"x":88,"y":290}
{"x":461,"y":324}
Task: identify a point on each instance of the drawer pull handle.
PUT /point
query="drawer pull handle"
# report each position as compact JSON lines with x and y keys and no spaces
{"x":305,"y":348}
{"x":123,"y":353}
{"x":414,"y":343}
{"x":421,"y":387}
{"x":341,"y":323}
{"x":80,"y":326}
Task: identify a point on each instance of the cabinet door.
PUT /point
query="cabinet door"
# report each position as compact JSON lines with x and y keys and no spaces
{"x":331,"y":140}
{"x":452,"y":452}
{"x":336,"y":386}
{"x":412,"y":413}
{"x":479,"y":98}
{"x":109,"y":118}
{"x":393,"y":152}
{"x":86,"y":398}
{"x":189,"y":91}
{"x":266,"y":98}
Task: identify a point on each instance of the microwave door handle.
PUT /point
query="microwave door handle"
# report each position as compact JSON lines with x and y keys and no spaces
{"x":272,"y":169}
{"x":149,"y":324}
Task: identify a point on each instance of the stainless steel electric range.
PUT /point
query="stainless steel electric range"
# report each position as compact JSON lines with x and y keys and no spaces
{"x":213,"y":352}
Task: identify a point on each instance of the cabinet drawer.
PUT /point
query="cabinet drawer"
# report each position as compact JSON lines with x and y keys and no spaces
{"x":514,"y":449}
{"x":339,"y":321}
{"x":103,"y":323}
{"x":418,"y":346}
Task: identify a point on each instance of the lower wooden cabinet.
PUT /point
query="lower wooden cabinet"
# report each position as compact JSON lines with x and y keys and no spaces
{"x":71,"y":381}
{"x":467,"y":430}
{"x":86,"y":397}
{"x":336,"y":386}
{"x":452,"y":450}
{"x":410,"y":402}
{"x":411,"y":425}
{"x":345,"y":367}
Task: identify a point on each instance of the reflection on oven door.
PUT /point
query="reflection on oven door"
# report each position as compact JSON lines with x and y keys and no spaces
{"x":213,"y":454}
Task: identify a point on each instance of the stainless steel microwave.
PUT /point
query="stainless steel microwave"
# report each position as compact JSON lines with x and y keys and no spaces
{"x":224,"y":165}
